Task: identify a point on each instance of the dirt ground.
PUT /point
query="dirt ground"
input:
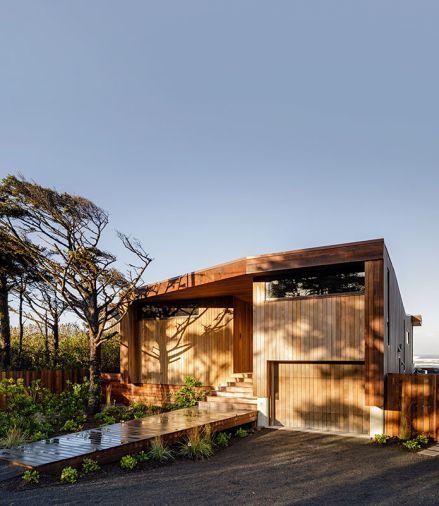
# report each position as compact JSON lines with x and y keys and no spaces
{"x":269,"y":467}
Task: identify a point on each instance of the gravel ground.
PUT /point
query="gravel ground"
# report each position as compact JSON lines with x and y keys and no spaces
{"x":269,"y":467}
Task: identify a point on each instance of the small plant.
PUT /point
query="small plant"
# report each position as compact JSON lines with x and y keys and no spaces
{"x":71,"y":426}
{"x":381,"y":439}
{"x":412,"y":444}
{"x":31,"y":476}
{"x":159,"y":451}
{"x":128,"y":462}
{"x":142,"y":457}
{"x":69,"y":475}
{"x":197,"y":446}
{"x":38,"y":436}
{"x":422,"y":439}
{"x":189,"y":395}
{"x":13,"y":437}
{"x":105,"y":419}
{"x":240,"y":432}
{"x":90,"y":466}
{"x":223,"y":439}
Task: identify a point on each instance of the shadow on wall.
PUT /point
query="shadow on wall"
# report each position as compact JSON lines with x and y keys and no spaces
{"x":176,"y":341}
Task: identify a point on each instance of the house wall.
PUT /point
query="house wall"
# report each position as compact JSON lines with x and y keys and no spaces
{"x":242,"y":336}
{"x":200,"y":346}
{"x":398,"y":332}
{"x":310,"y":329}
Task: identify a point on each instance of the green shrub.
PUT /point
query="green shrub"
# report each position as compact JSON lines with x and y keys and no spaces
{"x":142,"y":457}
{"x":71,"y":426}
{"x":31,"y":476}
{"x":422,"y":439}
{"x":159,"y":451}
{"x":107,"y":420}
{"x":190,"y":394}
{"x":90,"y":466}
{"x":241,"y":432}
{"x":13,"y":437}
{"x":381,"y":438}
{"x":128,"y":462}
{"x":38,"y":436}
{"x":223,"y":439}
{"x":197,"y":445}
{"x":69,"y":475}
{"x":412,"y":444}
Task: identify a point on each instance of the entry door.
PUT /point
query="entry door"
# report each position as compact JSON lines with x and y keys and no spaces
{"x":242,"y":336}
{"x":323,"y":396}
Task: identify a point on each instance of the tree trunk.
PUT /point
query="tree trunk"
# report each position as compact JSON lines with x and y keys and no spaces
{"x":5,"y":329}
{"x":20,"y":328}
{"x":55,"y":331}
{"x":94,"y":397}
{"x":46,"y":342}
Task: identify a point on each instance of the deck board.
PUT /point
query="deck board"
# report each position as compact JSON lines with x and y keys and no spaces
{"x":109,"y":443}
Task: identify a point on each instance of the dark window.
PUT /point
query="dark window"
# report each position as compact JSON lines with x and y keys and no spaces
{"x":152,"y":312}
{"x":316,"y":282}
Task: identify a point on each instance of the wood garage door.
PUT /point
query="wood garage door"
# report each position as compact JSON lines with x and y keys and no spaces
{"x":325,"y":396}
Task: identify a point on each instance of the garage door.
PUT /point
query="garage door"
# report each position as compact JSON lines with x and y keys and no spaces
{"x":325,"y":396}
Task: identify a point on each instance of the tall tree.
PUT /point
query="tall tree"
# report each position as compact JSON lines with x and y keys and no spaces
{"x":13,"y":266}
{"x":63,"y":233}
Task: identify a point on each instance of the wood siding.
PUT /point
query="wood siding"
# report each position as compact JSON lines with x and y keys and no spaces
{"x":200,"y":346}
{"x":312,"y":329}
{"x":130,"y":364}
{"x":242,"y":336}
{"x":398,"y":335}
{"x":374,"y":333}
{"x":320,"y":396}
{"x":412,"y":405}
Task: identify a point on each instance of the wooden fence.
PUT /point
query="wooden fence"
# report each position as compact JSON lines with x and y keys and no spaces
{"x":412,"y":405}
{"x":55,"y":381}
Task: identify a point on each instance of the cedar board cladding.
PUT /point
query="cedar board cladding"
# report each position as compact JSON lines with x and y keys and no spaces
{"x":311,"y":329}
{"x":200,"y":346}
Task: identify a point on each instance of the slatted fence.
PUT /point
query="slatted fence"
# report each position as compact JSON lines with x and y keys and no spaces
{"x":412,"y":405}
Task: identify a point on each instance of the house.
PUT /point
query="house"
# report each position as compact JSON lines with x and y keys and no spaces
{"x":308,"y":336}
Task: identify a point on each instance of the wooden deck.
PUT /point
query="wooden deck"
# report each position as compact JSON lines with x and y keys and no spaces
{"x":108,"y":444}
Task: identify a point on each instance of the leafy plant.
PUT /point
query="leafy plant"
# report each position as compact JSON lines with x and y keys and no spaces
{"x":142,"y":457}
{"x":69,"y":475}
{"x":381,"y":438}
{"x":71,"y":426}
{"x":13,"y":437}
{"x":412,"y":444}
{"x":190,"y":394}
{"x":31,"y":476}
{"x":128,"y":462}
{"x":104,"y":418}
{"x":241,"y":432}
{"x":159,"y":451}
{"x":90,"y":465}
{"x":38,"y":436}
{"x":422,"y":439}
{"x":223,"y":439}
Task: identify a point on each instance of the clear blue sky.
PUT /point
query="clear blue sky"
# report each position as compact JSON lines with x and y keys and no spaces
{"x":213,"y":130}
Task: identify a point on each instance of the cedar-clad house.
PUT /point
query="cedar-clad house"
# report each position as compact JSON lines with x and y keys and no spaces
{"x":307,"y":336}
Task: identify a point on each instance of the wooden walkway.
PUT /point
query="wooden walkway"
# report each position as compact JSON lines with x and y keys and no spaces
{"x":108,"y":444}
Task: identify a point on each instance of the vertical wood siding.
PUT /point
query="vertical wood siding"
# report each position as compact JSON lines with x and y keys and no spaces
{"x":320,"y":396}
{"x":318,"y":328}
{"x":200,"y":346}
{"x":374,"y":333}
{"x":130,"y":365}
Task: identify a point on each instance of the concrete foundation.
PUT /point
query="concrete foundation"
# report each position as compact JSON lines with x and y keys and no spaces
{"x":263,"y":412}
{"x":376,"y":421}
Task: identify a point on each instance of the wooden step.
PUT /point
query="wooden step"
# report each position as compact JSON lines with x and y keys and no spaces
{"x":227,"y":406}
{"x":234,"y":399}
{"x":235,"y":381}
{"x":242,"y":375}
{"x":235,"y":395}
{"x":237,"y":390}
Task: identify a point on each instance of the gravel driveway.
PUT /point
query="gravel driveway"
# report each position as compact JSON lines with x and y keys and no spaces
{"x":269,"y":467}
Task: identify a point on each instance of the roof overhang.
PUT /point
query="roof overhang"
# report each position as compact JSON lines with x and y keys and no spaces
{"x":416,"y":320}
{"x":235,"y":278}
